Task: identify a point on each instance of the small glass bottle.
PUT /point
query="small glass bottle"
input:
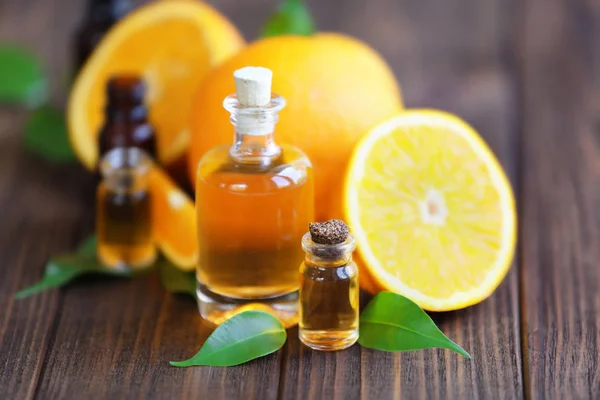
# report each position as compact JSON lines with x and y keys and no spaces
{"x":329,"y":289}
{"x":123,"y":210}
{"x":254,"y":200}
{"x":126,"y":117}
{"x":100,"y":16}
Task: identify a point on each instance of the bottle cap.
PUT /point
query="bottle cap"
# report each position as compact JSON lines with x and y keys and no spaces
{"x":126,"y":88}
{"x":333,"y":231}
{"x":253,"y":86}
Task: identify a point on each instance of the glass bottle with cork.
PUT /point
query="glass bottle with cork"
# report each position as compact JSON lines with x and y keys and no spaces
{"x":253,"y":201}
{"x":329,"y":289}
{"x":123,"y":210}
{"x":100,"y":16}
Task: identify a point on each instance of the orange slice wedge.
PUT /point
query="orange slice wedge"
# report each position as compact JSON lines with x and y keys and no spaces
{"x":172,"y":45}
{"x":431,"y":209}
{"x":173,"y":220}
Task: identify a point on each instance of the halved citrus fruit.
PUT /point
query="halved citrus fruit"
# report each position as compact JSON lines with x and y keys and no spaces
{"x":173,"y":220}
{"x":172,"y":45}
{"x":432,"y":210}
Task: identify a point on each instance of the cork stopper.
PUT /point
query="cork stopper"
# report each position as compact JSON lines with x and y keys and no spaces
{"x":253,"y":86}
{"x":333,"y":231}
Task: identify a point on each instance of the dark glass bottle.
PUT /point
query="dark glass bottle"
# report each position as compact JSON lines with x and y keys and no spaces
{"x":126,"y":117}
{"x":100,"y":16}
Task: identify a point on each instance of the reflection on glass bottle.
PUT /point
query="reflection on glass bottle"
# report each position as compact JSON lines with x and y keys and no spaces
{"x":123,"y":210}
{"x":254,"y":200}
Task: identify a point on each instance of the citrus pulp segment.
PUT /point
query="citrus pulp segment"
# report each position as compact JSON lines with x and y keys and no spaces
{"x":432,"y":210}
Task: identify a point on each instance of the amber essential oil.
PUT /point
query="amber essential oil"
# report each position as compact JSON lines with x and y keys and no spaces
{"x":123,"y":221}
{"x":254,"y":200}
{"x":329,"y":289}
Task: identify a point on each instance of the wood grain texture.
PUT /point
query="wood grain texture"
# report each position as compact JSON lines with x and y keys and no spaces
{"x":24,"y":325}
{"x":560,"y":282}
{"x":115,"y":340}
{"x":40,"y":218}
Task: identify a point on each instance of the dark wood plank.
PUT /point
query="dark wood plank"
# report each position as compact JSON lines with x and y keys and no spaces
{"x":115,"y":339}
{"x":449,"y":55}
{"x":25,"y":325}
{"x":560,"y":283}
{"x":41,"y":217}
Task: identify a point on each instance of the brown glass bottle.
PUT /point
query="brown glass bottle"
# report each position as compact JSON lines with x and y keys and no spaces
{"x":100,"y":16}
{"x":126,"y":121}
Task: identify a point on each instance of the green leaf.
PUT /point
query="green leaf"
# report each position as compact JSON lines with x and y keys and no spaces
{"x":46,"y":135}
{"x":391,"y":322}
{"x":56,"y":275}
{"x":243,"y":337}
{"x":291,"y":18}
{"x":88,"y":247}
{"x":63,"y":269}
{"x":22,"y":80}
{"x":175,"y":280}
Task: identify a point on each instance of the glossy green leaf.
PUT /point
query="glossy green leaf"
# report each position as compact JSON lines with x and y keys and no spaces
{"x":391,"y":322}
{"x":46,"y":135}
{"x":57,"y":274}
{"x":243,"y":337}
{"x":175,"y":280}
{"x":22,"y":80}
{"x":88,"y":247}
{"x":291,"y":18}
{"x":63,"y":269}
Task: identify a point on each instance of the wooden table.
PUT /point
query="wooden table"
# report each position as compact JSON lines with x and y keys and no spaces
{"x":525,"y":73}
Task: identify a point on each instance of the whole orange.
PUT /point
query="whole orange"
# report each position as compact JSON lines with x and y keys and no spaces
{"x":336,"y":88}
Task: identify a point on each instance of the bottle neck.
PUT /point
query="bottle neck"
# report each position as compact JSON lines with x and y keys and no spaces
{"x":328,"y":255}
{"x":126,"y":181}
{"x":254,"y":149}
{"x":132,"y":113}
{"x":125,"y":95}
{"x":254,"y":140}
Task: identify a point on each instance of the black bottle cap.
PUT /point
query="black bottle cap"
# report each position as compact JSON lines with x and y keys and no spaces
{"x":124,"y":88}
